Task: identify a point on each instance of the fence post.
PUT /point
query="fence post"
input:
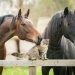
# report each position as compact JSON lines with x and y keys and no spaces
{"x":32,"y":70}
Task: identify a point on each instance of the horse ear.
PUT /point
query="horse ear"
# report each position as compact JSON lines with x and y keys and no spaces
{"x":19,"y":13}
{"x":27,"y":13}
{"x":66,"y":11}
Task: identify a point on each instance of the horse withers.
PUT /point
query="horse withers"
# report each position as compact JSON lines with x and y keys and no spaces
{"x":20,"y":26}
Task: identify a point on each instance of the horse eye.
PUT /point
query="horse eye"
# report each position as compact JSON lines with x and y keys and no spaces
{"x":23,"y":24}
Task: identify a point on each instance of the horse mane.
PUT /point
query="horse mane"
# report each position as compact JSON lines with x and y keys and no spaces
{"x":12,"y":25}
{"x":45,"y":34}
{"x":3,"y":17}
{"x":53,"y":26}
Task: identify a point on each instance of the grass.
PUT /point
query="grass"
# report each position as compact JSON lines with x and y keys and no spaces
{"x":21,"y":71}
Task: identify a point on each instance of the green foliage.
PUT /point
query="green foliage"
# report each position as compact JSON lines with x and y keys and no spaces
{"x":21,"y":71}
{"x":15,"y":71}
{"x":49,"y":7}
{"x":46,"y":8}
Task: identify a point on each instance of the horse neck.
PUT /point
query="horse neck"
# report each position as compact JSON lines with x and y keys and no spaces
{"x":53,"y":35}
{"x":5,"y":33}
{"x":55,"y":45}
{"x":55,"y":40}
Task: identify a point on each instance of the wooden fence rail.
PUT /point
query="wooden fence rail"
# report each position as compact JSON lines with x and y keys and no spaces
{"x":32,"y":64}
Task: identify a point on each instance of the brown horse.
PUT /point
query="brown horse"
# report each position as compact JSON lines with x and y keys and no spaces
{"x":19,"y":26}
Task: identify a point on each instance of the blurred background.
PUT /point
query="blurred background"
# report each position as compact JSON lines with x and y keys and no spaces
{"x":40,"y":13}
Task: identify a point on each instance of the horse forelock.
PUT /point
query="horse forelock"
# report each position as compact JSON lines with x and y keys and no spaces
{"x":27,"y":20}
{"x":71,"y":15}
{"x":30,"y":21}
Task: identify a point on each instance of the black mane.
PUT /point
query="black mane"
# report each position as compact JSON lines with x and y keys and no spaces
{"x":53,"y":26}
{"x":3,"y":17}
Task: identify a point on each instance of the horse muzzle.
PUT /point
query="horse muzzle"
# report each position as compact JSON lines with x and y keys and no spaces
{"x":39,"y":40}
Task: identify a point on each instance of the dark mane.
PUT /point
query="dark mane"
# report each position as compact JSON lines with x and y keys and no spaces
{"x":53,"y":26}
{"x":12,"y":26}
{"x":44,"y":35}
{"x":3,"y":17}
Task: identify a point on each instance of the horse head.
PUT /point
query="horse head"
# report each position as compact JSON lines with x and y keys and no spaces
{"x":68,"y":21}
{"x":25,"y":29}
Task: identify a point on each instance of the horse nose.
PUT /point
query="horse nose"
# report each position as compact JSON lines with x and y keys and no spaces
{"x":39,"y":40}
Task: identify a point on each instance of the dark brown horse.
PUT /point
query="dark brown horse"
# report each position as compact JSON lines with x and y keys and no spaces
{"x":19,"y":26}
{"x":62,"y":23}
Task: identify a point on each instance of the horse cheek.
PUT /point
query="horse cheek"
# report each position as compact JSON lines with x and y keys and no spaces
{"x":21,"y":34}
